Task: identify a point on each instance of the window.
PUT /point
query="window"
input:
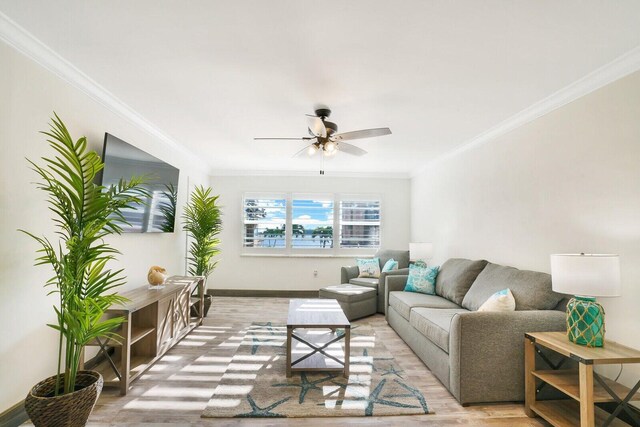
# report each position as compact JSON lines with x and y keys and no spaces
{"x":265,"y":221}
{"x":310,"y":223}
{"x":360,"y":223}
{"x":312,"y":220}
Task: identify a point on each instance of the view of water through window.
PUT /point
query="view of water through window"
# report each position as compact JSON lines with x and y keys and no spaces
{"x":311,"y":223}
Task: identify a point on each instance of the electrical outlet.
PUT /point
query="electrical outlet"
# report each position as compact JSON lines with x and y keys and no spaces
{"x":315,"y":273}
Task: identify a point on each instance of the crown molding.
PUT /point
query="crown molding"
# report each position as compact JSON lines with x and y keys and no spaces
{"x":311,"y":174}
{"x":27,"y":44}
{"x":614,"y":70}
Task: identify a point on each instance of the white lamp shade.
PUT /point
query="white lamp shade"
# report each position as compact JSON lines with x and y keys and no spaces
{"x":420,"y":251}
{"x":592,"y":275}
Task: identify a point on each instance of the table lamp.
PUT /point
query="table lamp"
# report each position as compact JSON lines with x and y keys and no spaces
{"x":586,"y":276}
{"x":420,"y":252}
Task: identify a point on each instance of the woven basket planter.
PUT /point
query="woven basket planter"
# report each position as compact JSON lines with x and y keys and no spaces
{"x":66,"y":410}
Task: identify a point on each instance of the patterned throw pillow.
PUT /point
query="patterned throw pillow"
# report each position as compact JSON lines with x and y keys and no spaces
{"x":422,"y":279}
{"x":500,"y":301}
{"x":390,"y":265}
{"x":368,"y":267}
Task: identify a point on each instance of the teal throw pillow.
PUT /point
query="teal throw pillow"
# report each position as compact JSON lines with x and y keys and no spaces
{"x":368,"y":267}
{"x":422,"y":279}
{"x":390,"y":265}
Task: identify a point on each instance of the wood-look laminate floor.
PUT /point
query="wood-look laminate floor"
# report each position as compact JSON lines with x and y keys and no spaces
{"x":173,"y":392}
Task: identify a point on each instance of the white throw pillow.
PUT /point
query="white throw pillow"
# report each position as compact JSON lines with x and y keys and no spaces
{"x":500,"y":301}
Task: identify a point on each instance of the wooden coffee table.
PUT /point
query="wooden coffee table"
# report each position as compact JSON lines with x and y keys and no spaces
{"x":313,"y":323}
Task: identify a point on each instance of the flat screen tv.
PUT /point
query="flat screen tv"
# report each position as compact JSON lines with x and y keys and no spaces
{"x":122,"y":161}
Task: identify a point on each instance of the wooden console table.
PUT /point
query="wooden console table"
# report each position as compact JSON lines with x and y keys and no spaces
{"x":155,"y":320}
{"x":583,"y":392}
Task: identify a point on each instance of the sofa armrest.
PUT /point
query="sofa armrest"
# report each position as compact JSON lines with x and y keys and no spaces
{"x":382,"y":285}
{"x":392,"y":284}
{"x":348,"y":273}
{"x":486,"y":352}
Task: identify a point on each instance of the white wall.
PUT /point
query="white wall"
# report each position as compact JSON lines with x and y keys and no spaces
{"x":29,"y":94}
{"x":566,"y":182}
{"x":283,"y":273}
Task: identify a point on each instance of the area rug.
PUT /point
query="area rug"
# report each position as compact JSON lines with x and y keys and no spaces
{"x":254,"y":383}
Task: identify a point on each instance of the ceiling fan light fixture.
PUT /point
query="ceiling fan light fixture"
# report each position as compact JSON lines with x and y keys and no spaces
{"x":326,"y":153}
{"x":312,"y":150}
{"x":330,"y":147}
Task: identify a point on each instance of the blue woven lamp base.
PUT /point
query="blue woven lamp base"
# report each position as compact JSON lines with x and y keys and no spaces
{"x":585,"y":321}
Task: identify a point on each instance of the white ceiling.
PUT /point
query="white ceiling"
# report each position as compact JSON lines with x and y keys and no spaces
{"x":214,"y":74}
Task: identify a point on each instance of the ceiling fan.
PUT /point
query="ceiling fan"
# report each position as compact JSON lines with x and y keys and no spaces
{"x":325,"y":139}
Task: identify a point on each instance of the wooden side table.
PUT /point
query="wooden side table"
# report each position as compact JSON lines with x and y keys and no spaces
{"x":584,"y":387}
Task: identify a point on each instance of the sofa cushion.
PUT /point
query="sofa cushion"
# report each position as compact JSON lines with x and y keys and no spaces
{"x":403,"y":302}
{"x":456,"y":277}
{"x":531,"y":289}
{"x":434,"y":323}
{"x":365,"y":281}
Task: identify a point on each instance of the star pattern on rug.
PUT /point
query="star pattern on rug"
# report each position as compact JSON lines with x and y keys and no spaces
{"x":374,"y":398}
{"x":391,"y":370}
{"x":257,"y":342}
{"x":268,"y":326}
{"x":411,"y":392}
{"x":306,"y":385}
{"x":257,"y":411}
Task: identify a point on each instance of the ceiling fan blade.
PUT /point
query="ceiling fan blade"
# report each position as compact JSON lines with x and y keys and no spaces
{"x":358,"y":134}
{"x":305,"y":150}
{"x":302,"y":138}
{"x":316,"y":126}
{"x":351,"y":149}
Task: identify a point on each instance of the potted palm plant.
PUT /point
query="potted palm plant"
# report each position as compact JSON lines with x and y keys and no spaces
{"x":83,"y":214}
{"x":203,"y":221}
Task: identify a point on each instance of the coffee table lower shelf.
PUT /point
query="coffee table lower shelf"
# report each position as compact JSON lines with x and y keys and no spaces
{"x":317,"y":361}
{"x":566,"y":412}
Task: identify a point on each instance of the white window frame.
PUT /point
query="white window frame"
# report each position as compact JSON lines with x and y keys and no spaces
{"x":313,"y":196}
{"x":288,"y":250}
{"x":263,"y":195}
{"x":357,"y":198}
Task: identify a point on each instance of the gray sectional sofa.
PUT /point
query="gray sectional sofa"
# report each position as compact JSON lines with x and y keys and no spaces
{"x":350,"y":274}
{"x":478,"y":356}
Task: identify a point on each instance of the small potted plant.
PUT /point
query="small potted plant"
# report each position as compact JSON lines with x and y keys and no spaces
{"x":203,"y":221}
{"x":83,"y":214}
